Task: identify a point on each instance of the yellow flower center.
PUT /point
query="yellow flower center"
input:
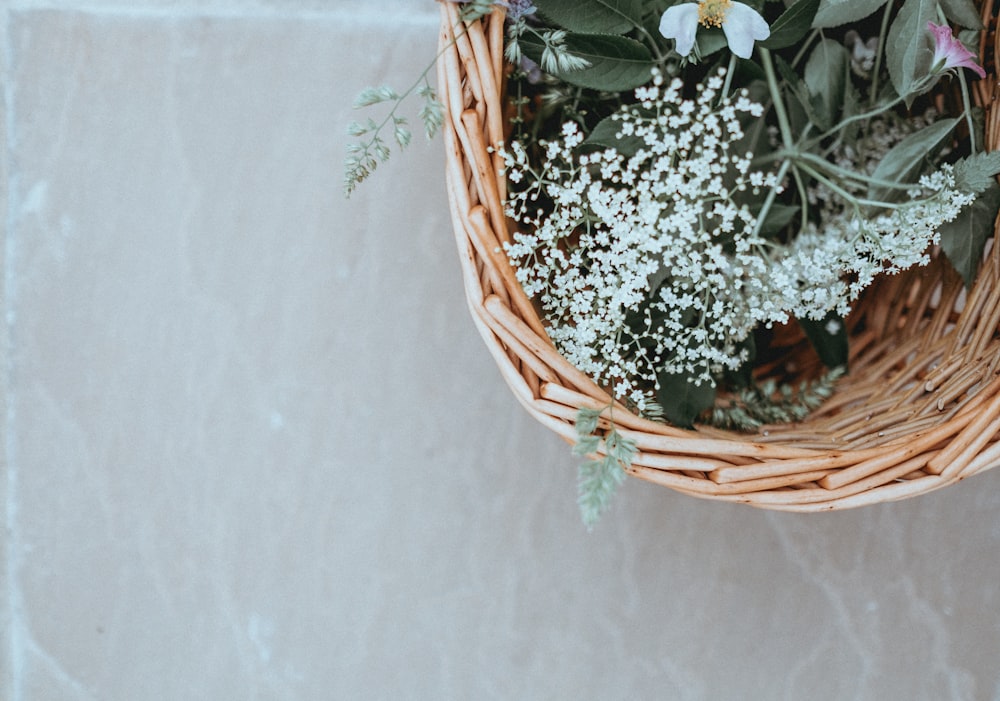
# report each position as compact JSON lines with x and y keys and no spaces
{"x":712,"y":13}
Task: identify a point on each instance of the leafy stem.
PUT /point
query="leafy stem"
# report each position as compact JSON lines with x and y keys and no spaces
{"x":771,"y":403}
{"x":600,"y":477}
{"x":364,"y":156}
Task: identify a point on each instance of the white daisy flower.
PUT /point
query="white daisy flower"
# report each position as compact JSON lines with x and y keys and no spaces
{"x":741,"y":24}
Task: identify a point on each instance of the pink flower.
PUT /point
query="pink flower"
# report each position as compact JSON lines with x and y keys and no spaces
{"x":950,"y":53}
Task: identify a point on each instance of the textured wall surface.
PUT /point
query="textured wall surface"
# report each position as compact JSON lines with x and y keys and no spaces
{"x":253,"y":447}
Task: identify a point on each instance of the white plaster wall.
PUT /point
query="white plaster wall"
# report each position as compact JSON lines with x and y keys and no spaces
{"x":255,"y":449}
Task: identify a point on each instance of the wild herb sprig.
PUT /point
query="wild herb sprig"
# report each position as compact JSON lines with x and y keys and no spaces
{"x":600,"y":477}
{"x":771,"y":402}
{"x":373,"y":147}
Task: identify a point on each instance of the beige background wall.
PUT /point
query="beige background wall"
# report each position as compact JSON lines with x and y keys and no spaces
{"x":254,"y":449}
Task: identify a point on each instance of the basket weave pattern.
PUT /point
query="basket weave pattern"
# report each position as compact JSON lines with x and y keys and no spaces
{"x":919,"y":410}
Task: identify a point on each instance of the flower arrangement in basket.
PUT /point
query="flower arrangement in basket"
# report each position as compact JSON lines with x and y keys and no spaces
{"x":742,"y":250}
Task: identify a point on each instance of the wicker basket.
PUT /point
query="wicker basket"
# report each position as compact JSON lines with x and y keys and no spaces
{"x":919,"y":410}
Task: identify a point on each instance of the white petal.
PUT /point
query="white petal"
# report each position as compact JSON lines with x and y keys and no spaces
{"x":680,"y":23}
{"x":743,"y":26}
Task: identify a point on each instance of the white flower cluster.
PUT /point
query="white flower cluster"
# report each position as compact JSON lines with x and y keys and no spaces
{"x":653,"y":263}
{"x":853,"y":247}
{"x":830,"y":266}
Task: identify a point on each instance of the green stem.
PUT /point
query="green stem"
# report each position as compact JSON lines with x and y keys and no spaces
{"x":858,"y":176}
{"x":847,"y":196}
{"x":769,"y":200}
{"x":883,"y":31}
{"x":787,"y":137}
{"x":729,"y":78}
{"x":800,"y":54}
{"x":803,"y":196}
{"x":967,"y":104}
{"x":651,"y":42}
{"x":858,"y":117}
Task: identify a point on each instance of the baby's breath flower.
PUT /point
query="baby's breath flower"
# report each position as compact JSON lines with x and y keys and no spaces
{"x":660,"y":215}
{"x":649,"y":264}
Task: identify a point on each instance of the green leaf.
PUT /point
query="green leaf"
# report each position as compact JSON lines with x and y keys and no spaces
{"x":620,"y":448}
{"x":962,"y":12}
{"x":593,"y":16}
{"x":964,"y":238}
{"x":605,"y":135}
{"x":801,"y":110}
{"x":976,"y":173}
{"x":598,"y":482}
{"x":778,"y":217}
{"x":904,"y":161}
{"x":833,"y":13}
{"x":970,"y":39}
{"x":908,"y":55}
{"x":828,"y":337}
{"x":599,"y":478}
{"x":681,"y":399}
{"x":709,"y":41}
{"x":586,"y":445}
{"x":616,"y":63}
{"x":586,"y":421}
{"x":826,"y":76}
{"x":793,"y":24}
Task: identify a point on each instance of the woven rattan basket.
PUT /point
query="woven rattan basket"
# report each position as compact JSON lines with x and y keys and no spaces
{"x":920,"y":408}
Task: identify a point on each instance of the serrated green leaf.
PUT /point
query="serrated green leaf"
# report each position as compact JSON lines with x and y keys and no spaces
{"x":828,"y":337}
{"x":593,"y":16}
{"x":683,"y":400}
{"x":793,"y":24}
{"x":964,"y":238}
{"x":907,"y":53}
{"x":904,"y":161}
{"x":834,"y":13}
{"x":962,"y":12}
{"x":976,"y":173}
{"x":616,"y":63}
